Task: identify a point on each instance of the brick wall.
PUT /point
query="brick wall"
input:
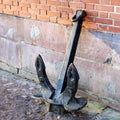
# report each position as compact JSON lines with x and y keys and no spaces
{"x":102,"y":14}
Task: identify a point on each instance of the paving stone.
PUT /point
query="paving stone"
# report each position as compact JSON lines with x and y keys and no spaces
{"x":108,"y":114}
{"x":18,"y":103}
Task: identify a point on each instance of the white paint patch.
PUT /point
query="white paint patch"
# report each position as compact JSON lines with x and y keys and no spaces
{"x":34,"y":32}
{"x":10,"y":33}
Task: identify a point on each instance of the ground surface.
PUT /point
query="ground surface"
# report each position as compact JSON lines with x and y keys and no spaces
{"x":17,"y":103}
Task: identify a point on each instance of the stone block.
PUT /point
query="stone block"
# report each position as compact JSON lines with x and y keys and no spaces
{"x":11,"y":27}
{"x":51,"y":58}
{"x":10,"y":52}
{"x":46,"y":35}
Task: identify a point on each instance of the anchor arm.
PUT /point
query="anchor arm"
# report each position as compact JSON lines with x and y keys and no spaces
{"x":46,"y":88}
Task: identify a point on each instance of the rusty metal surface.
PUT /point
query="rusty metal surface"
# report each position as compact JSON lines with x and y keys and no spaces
{"x":62,"y":98}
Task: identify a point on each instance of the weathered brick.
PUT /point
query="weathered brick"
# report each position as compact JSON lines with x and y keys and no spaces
{"x":7,"y":2}
{"x":64,"y":21}
{"x":53,"y":19}
{"x":43,"y":12}
{"x":117,"y":22}
{"x":115,"y":16}
{"x":92,"y":13}
{"x":33,"y":11}
{"x":65,"y":9}
{"x":24,"y":4}
{"x":15,"y":8}
{"x":103,"y":27}
{"x":104,"y":21}
{"x":105,"y":8}
{"x":8,"y":11}
{"x":89,"y":6}
{"x":76,"y":4}
{"x":24,"y":14}
{"x":53,"y":14}
{"x":2,"y":6}
{"x":115,"y":2}
{"x":114,"y":29}
{"x":43,"y":17}
{"x":52,"y":2}
{"x":43,"y":7}
{"x":103,"y":14}
{"x":89,"y":1}
{"x":33,"y":1}
{"x":90,"y":25}
{"x":106,"y":2}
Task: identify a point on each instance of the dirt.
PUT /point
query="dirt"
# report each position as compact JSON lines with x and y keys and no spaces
{"x":17,"y":102}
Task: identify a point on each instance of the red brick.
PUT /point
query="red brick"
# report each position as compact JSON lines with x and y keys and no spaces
{"x":53,"y":14}
{"x":103,"y":21}
{"x":1,"y":10}
{"x":24,"y":4}
{"x":15,"y":8}
{"x":106,"y":2}
{"x":102,"y":27}
{"x":15,"y":3}
{"x":89,"y":6}
{"x":16,"y":13}
{"x":118,"y":9}
{"x":105,"y":8}
{"x":24,"y":14}
{"x":117,"y":22}
{"x":64,"y":21}
{"x":53,"y":8}
{"x":43,"y":12}
{"x":53,"y":19}
{"x":70,"y":16}
{"x":65,"y":9}
{"x":43,"y":7}
{"x":52,"y":2}
{"x":92,"y":13}
{"x":33,"y":16}
{"x":89,"y":19}
{"x":114,"y":29}
{"x":43,"y":17}
{"x":77,"y":4}
{"x":7,"y":11}
{"x":33,"y":5}
{"x":33,"y":1}
{"x":115,"y":16}
{"x":103,"y":14}
{"x":8,"y":7}
{"x":33,"y":11}
{"x":2,"y":6}
{"x":64,"y":3}
{"x":115,"y":2}
{"x":43,"y":2}
{"x":64,"y":15}
{"x":89,"y":1}
{"x":7,"y":2}
{"x":1,"y":1}
{"x":90,"y":25}
{"x":25,"y":9}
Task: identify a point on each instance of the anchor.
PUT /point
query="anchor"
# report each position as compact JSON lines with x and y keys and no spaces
{"x":62,"y":99}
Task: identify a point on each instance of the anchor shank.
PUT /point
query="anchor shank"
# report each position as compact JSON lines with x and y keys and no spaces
{"x":70,"y":51}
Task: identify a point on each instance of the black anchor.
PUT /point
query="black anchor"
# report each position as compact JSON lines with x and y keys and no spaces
{"x":62,"y":99}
